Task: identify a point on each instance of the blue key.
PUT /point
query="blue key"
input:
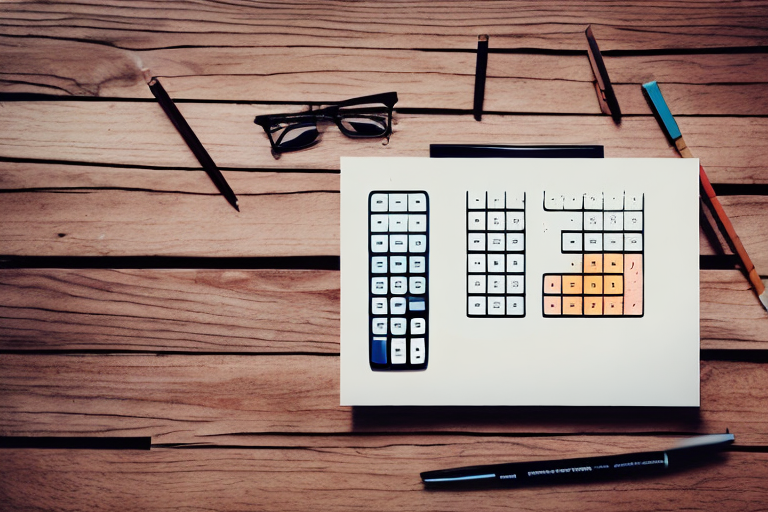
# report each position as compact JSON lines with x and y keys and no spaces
{"x":379,"y":350}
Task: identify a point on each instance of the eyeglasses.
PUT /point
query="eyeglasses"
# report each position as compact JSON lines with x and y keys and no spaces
{"x":363,"y":117}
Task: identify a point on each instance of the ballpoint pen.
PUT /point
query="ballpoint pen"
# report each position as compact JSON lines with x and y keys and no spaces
{"x":605,"y":95}
{"x":672,"y":131}
{"x":192,"y":141}
{"x":518,"y":474}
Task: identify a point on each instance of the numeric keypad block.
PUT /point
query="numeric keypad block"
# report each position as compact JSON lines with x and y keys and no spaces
{"x":398,"y":251}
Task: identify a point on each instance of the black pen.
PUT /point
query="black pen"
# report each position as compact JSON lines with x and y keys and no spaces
{"x":518,"y":474}
{"x":605,"y":95}
{"x":192,"y":141}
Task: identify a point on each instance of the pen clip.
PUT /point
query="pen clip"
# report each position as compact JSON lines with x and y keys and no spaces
{"x":605,"y":96}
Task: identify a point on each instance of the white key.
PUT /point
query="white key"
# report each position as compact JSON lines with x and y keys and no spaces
{"x":476,"y":200}
{"x":379,"y":202}
{"x":379,"y":243}
{"x":398,"y":243}
{"x":613,"y":241}
{"x":417,"y":202}
{"x":633,"y":201}
{"x":476,"y":221}
{"x":572,"y":221}
{"x":515,"y":263}
{"x":496,"y":241}
{"x":573,"y":201}
{"x":495,"y":263}
{"x":417,"y":243}
{"x":418,"y":326}
{"x":398,"y":264}
{"x":397,"y":305}
{"x":593,"y":201}
{"x":515,"y":200}
{"x":553,"y":201}
{"x":593,"y":241}
{"x":593,"y":221}
{"x":476,"y":241}
{"x":379,"y":223}
{"x":613,"y":200}
{"x":379,"y":285}
{"x":417,"y":264}
{"x":515,"y":306}
{"x":572,"y":242}
{"x":515,"y":221}
{"x":418,"y":350}
{"x":398,"y":223}
{"x":379,"y":306}
{"x":379,"y":264}
{"x":476,"y":305}
{"x":633,"y":242}
{"x":613,"y":221}
{"x":496,"y":305}
{"x":515,"y":284}
{"x":379,"y":326}
{"x":496,"y":200}
{"x":398,"y":202}
{"x":398,"y":351}
{"x":476,"y":284}
{"x":417,"y":223}
{"x":496,"y":284}
{"x":398,"y":285}
{"x":476,"y":263}
{"x":398,"y":326}
{"x":495,"y":221}
{"x":417,"y":285}
{"x":633,"y":221}
{"x":515,"y":242}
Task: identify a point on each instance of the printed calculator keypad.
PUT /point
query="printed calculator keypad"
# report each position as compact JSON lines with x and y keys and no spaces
{"x":398,"y":230}
{"x":496,"y":254}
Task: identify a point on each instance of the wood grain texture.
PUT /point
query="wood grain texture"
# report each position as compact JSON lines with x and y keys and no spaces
{"x":245,"y":311}
{"x":359,"y":478}
{"x":401,"y":24}
{"x":732,"y":149}
{"x":189,"y":399}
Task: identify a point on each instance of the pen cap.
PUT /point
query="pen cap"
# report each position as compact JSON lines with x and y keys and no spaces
{"x":661,"y":110}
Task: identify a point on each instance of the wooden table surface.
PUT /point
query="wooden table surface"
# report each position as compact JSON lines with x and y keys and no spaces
{"x":137,"y":307}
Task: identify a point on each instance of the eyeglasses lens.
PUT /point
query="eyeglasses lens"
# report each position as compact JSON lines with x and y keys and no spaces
{"x":294,"y":136}
{"x":371,"y":120}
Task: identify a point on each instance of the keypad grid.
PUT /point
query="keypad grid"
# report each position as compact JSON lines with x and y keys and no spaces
{"x":496,"y":240}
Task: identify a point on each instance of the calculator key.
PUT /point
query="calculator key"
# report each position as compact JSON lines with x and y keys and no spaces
{"x":572,"y":221}
{"x":613,"y":200}
{"x":496,"y":305}
{"x":572,"y":242}
{"x":573,"y":201}
{"x":515,"y":284}
{"x":496,"y":284}
{"x":572,"y":285}
{"x":593,"y":221}
{"x":515,"y":242}
{"x":515,"y":221}
{"x":379,"y":350}
{"x":379,"y":306}
{"x":476,"y":263}
{"x":553,"y":305}
{"x":613,"y":241}
{"x":593,"y":263}
{"x":593,"y":306}
{"x":379,"y":223}
{"x":418,"y":326}
{"x":476,"y":200}
{"x":496,"y":221}
{"x":476,"y":241}
{"x":476,"y":221}
{"x":633,"y":201}
{"x":633,"y":242}
{"x":398,"y":285}
{"x":496,"y":241}
{"x":379,"y":202}
{"x":379,"y":285}
{"x":593,"y":285}
{"x":417,"y":243}
{"x":398,"y":223}
{"x":476,"y":284}
{"x":397,"y":264}
{"x":614,"y":284}
{"x":398,"y":243}
{"x":476,"y":305}
{"x":417,"y":264}
{"x":633,"y":221}
{"x":379,"y":264}
{"x":495,"y":263}
{"x":417,"y":223}
{"x":552,"y":284}
{"x":398,"y":351}
{"x":515,"y":263}
{"x":379,"y":243}
{"x":613,"y":263}
{"x":515,"y":200}
{"x":379,"y":326}
{"x":496,"y":200}
{"x":593,"y":241}
{"x":418,"y":350}
{"x":416,"y":304}
{"x":398,"y":326}
{"x":593,"y":201}
{"x":572,"y":305}
{"x":398,"y":202}
{"x":397,"y":305}
{"x":417,"y":203}
{"x":417,"y":285}
{"x":553,"y":201}
{"x":515,"y":306}
{"x":613,"y":221}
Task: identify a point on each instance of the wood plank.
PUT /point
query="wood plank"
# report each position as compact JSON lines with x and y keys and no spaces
{"x":332,"y":479}
{"x":188,"y":399}
{"x":244,"y":311}
{"x":127,"y":133}
{"x":404,"y":24}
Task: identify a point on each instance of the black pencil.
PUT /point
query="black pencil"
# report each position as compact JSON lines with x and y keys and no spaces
{"x":192,"y":141}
